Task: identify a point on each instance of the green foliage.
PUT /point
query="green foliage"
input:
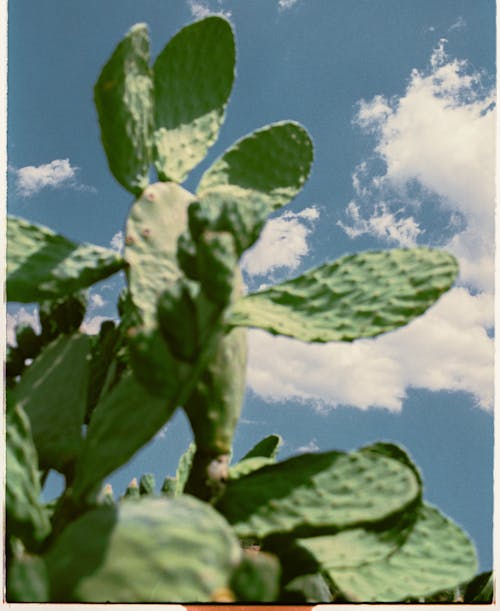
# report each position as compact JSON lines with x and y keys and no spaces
{"x":435,"y":554}
{"x":318,"y":493}
{"x":44,"y":265}
{"x":267,"y":447}
{"x":53,"y":392}
{"x":193,"y":77}
{"x":360,"y":295}
{"x":154,"y":224}
{"x":157,"y":550}
{"x":271,"y":165}
{"x":28,"y":580}
{"x":324,"y":527}
{"x":123,"y":97}
{"x":25,"y":516}
{"x":123,"y":421}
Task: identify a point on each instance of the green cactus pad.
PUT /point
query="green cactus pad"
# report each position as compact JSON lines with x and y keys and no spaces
{"x":310,"y":588}
{"x":44,"y":265}
{"x":123,"y":97}
{"x":123,"y":421}
{"x":26,"y":518}
{"x":267,"y":447}
{"x":272,"y":163}
{"x":157,"y":550}
{"x":193,"y":77}
{"x":257,"y":578}
{"x":436,"y":555}
{"x":27,"y":580}
{"x":318,"y":494}
{"x":53,"y":392}
{"x":359,"y":295}
{"x":155,"y":222}
{"x":249,"y":465}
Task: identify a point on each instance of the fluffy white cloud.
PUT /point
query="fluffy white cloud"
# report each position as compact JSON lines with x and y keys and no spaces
{"x":91,"y":325}
{"x":117,"y":241}
{"x":440,"y":135}
{"x":282,"y":244}
{"x":200,"y":9}
{"x":22,"y":316}
{"x":383,"y":224}
{"x":447,"y":349}
{"x":286,"y":4}
{"x":32,"y":179}
{"x":96,"y":300}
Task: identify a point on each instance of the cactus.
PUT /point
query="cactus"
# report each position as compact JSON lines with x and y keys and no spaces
{"x":334,"y":526}
{"x":158,"y":550}
{"x":319,"y":493}
{"x":52,"y":391}
{"x":44,"y":265}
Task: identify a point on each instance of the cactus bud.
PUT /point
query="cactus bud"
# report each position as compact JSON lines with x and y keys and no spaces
{"x":168,"y":487}
{"x":147,"y":484}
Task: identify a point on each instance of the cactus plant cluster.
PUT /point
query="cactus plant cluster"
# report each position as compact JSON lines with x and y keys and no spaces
{"x":331,"y":526}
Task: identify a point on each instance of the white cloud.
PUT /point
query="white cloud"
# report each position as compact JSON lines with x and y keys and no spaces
{"x":459,"y":24}
{"x":282,"y":244}
{"x":286,"y":4}
{"x":383,"y":224}
{"x":92,"y":324}
{"x":440,"y":135}
{"x":200,"y":9}
{"x":447,"y":349}
{"x":22,"y":316}
{"x":96,"y":300}
{"x":117,"y":241}
{"x":57,"y":173}
{"x":312,"y":446}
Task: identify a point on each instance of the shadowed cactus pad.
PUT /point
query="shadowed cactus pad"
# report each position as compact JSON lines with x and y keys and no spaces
{"x":157,"y":550}
{"x":435,"y":555}
{"x":44,"y":265}
{"x":319,"y":493}
{"x":123,"y":97}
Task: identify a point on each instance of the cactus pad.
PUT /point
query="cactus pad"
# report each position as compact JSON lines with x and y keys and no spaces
{"x":272,"y":162}
{"x":53,"y":393}
{"x":156,"y":221}
{"x":193,"y":77}
{"x":436,"y":555}
{"x":123,"y":97}
{"x":157,"y":550}
{"x":26,"y":518}
{"x":122,"y":422}
{"x":359,"y":295}
{"x":319,"y":493}
{"x":44,"y":265}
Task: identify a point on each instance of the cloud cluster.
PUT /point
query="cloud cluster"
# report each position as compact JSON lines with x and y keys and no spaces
{"x":282,"y":244}
{"x":439,"y":135}
{"x":32,"y":179}
{"x":202,"y":8}
{"x":436,"y":144}
{"x":27,"y":316}
{"x":447,"y":349}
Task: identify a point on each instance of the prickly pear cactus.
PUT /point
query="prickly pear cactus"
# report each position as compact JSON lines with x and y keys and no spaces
{"x":334,"y":526}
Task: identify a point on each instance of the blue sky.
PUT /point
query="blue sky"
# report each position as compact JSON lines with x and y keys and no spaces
{"x":398,"y":96}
